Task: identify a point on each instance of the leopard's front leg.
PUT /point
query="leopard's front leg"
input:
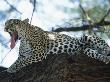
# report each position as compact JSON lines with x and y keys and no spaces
{"x":22,"y":62}
{"x":94,"y":54}
{"x":37,"y":54}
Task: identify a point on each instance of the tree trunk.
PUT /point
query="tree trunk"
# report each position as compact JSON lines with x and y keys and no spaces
{"x":62,"y":68}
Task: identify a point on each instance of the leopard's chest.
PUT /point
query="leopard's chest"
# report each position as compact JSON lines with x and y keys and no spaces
{"x":25,"y":48}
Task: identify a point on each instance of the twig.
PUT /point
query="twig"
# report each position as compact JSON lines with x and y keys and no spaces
{"x":87,"y":16}
{"x":34,"y":7}
{"x":83,"y":10}
{"x":4,"y":44}
{"x":12,"y":7}
{"x":5,"y":56}
{"x":108,"y":12}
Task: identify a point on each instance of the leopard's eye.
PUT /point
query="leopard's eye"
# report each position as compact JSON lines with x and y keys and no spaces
{"x":6,"y":29}
{"x":9,"y":30}
{"x":15,"y":22}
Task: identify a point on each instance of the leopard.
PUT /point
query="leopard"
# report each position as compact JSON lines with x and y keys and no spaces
{"x":36,"y":44}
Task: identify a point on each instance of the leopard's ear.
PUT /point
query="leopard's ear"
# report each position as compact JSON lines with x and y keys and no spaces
{"x":26,"y":20}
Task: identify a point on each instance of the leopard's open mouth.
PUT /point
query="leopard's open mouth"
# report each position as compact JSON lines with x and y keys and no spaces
{"x":14,"y":38}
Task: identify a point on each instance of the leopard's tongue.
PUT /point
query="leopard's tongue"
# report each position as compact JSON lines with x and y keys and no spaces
{"x":13,"y":40}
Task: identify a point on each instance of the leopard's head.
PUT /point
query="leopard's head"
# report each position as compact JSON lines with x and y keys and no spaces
{"x":12,"y":26}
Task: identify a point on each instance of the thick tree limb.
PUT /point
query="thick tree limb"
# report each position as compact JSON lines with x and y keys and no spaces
{"x":82,"y":28}
{"x":61,"y":68}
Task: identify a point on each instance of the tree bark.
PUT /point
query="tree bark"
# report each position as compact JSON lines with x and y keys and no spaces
{"x":62,"y":68}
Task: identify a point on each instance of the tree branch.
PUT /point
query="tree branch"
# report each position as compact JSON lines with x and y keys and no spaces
{"x":102,"y":20}
{"x":85,"y":13}
{"x":12,"y":7}
{"x":86,"y":27}
{"x":34,"y":2}
{"x":82,"y":28}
